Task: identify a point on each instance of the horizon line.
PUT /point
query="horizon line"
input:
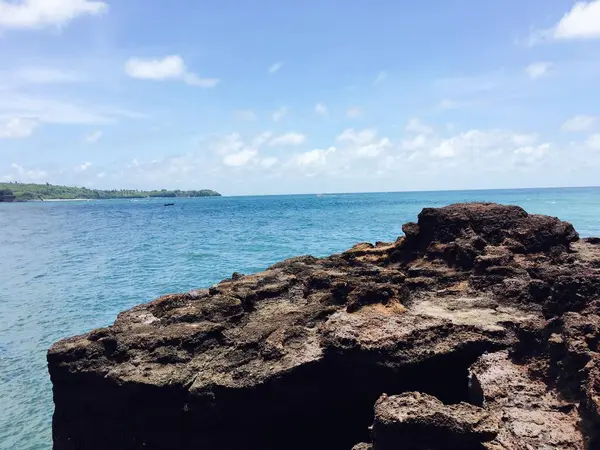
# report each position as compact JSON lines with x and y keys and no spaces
{"x":324,"y":192}
{"x":416,"y":191}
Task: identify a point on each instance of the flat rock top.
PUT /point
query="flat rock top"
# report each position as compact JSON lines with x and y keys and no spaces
{"x":465,"y":279}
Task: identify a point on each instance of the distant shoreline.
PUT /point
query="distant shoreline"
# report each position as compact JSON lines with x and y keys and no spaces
{"x":62,"y":200}
{"x":59,"y":200}
{"x":27,"y":192}
{"x":103,"y":199}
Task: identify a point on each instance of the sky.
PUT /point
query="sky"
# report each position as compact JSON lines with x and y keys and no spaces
{"x":313,"y":96}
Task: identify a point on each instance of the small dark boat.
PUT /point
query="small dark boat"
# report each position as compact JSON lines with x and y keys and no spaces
{"x":169,"y":204}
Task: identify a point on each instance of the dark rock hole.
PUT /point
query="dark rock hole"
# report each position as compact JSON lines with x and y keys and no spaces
{"x":326,"y":405}
{"x":329,"y":405}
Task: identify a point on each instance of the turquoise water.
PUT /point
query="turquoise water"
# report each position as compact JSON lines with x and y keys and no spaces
{"x":66,"y":268}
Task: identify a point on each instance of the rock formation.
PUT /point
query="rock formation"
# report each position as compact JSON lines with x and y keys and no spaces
{"x":6,"y":195}
{"x":420,"y":421}
{"x":479,"y":328}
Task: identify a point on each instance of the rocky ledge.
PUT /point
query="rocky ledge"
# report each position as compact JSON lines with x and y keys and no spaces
{"x":479,"y":329}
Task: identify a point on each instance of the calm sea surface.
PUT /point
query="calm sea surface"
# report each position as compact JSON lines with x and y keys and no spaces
{"x":66,"y":268}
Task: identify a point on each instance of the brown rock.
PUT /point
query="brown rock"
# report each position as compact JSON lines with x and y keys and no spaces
{"x":296,"y":356}
{"x":418,"y":421}
{"x":532,"y":415}
{"x":362,"y":446}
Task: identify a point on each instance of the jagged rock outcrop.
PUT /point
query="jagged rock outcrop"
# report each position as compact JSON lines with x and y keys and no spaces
{"x":297,"y":356}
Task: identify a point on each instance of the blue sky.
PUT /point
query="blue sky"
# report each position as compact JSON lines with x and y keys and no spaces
{"x":268,"y":97}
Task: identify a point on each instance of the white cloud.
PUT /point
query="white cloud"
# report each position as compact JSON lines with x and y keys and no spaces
{"x":537,"y":69}
{"x":244,"y":114}
{"x":169,"y":68}
{"x":448,"y":104}
{"x":416,"y":143}
{"x":233,"y":151}
{"x":314,"y":157}
{"x":275,"y":67}
{"x":93,"y":137}
{"x":85,"y":166}
{"x":374,"y":149}
{"x":532,"y":154}
{"x":579,"y":123}
{"x":380,"y":77}
{"x":280,"y":113}
{"x":525,"y":139}
{"x":230,"y":143}
{"x":476,"y":143}
{"x":48,"y":110}
{"x":261,"y":139}
{"x":288,"y":139}
{"x":582,"y":22}
{"x":354,"y":112}
{"x":446,"y":149}
{"x":356,"y":159}
{"x":359,"y":138}
{"x":364,"y":143}
{"x":194,"y":80}
{"x":269,"y":162}
{"x":22,"y":174}
{"x":18,"y":127}
{"x":45,"y":75}
{"x":593,"y":142}
{"x":241,"y":158}
{"x":321,"y":110}
{"x":414,"y":125}
{"x":41,"y":13}
{"x":156,"y":69}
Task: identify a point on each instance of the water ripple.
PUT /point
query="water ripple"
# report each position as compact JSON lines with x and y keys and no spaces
{"x":69,"y":267}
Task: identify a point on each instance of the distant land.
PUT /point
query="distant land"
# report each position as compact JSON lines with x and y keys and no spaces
{"x":24,"y":192}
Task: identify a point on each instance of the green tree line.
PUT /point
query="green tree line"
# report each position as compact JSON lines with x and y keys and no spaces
{"x":22,"y":192}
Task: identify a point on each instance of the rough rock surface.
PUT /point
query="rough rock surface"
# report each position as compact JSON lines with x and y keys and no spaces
{"x":527,"y":411}
{"x":421,"y":421}
{"x":297,"y":356}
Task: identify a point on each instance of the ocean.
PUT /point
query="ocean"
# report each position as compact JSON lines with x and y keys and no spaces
{"x":68,"y":267}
